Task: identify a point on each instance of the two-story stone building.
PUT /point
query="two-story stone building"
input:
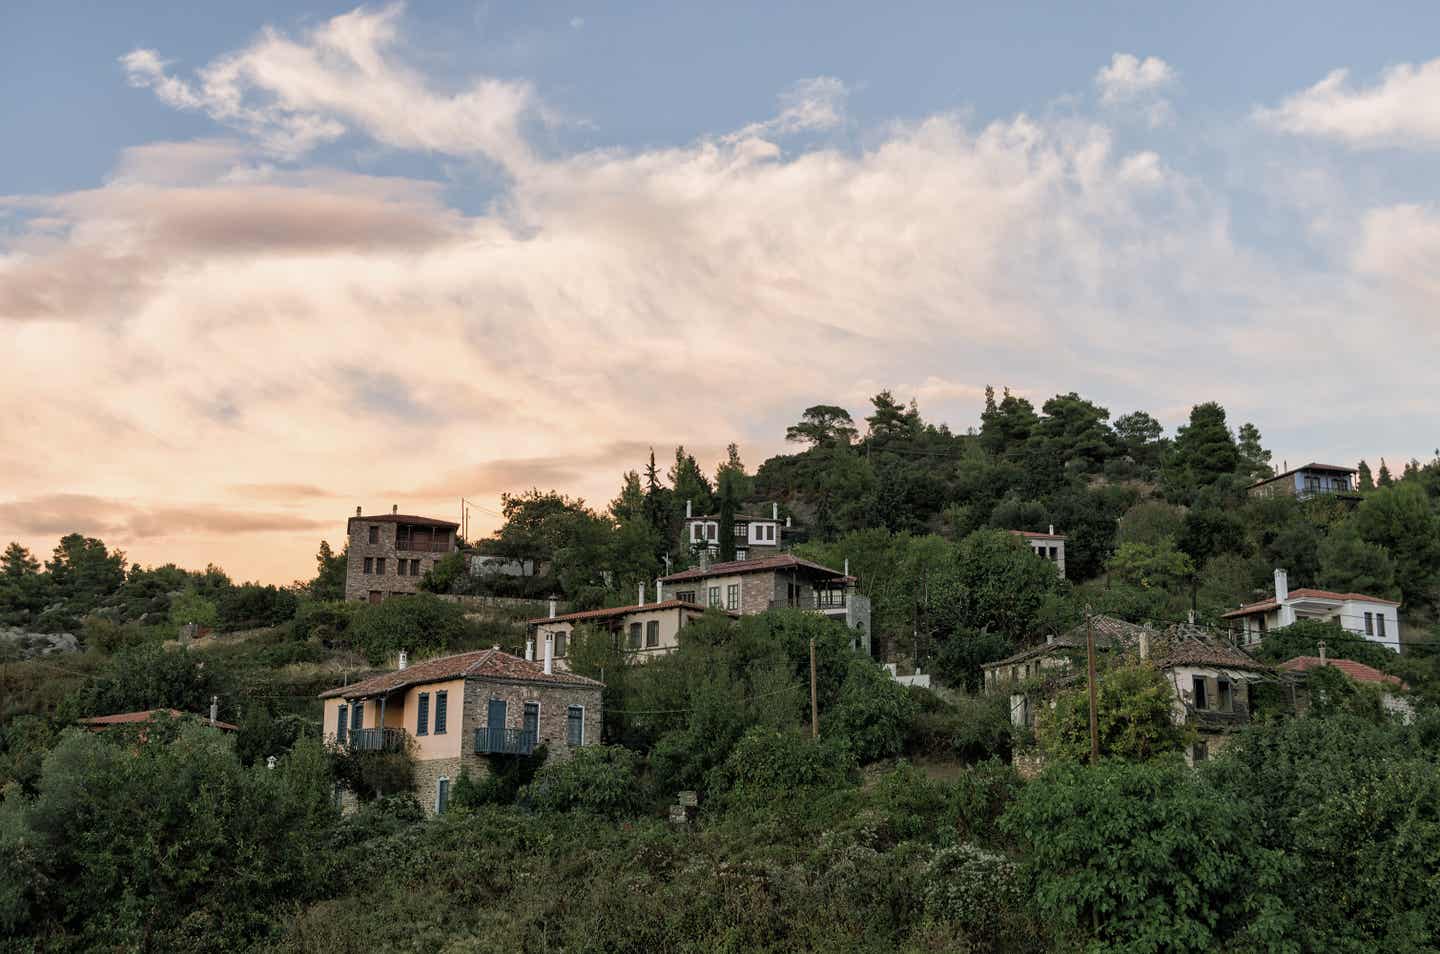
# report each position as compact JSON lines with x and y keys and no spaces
{"x":389,"y":553}
{"x":457,"y":713}
{"x":756,"y":535}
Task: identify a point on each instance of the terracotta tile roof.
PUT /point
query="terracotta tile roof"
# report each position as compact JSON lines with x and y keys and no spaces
{"x":407,"y":518}
{"x":1304,"y":593}
{"x":486,"y":664}
{"x":131,"y":718}
{"x":1218,"y":655}
{"x":1355,"y":670}
{"x":1032,"y":535}
{"x":1110,"y":631}
{"x":782,"y":561}
{"x":615,"y":611}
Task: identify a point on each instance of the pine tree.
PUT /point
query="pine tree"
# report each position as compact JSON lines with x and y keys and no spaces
{"x":1365,"y":478}
{"x":1383,"y":479}
{"x":17,"y":562}
{"x":1254,"y":458}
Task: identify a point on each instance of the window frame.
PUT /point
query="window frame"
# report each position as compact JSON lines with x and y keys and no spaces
{"x":569,"y":720}
{"x":634,"y":634}
{"x":1199,"y":693}
{"x":422,"y":714}
{"x":1380,"y":626}
{"x":560,"y":644}
{"x":442,"y":794}
{"x":714,"y":596}
{"x":442,"y":711}
{"x":652,"y":634}
{"x":1369,"y":624}
{"x":732,"y":596}
{"x":374,"y":536}
{"x":342,"y":727}
{"x":379,"y":566}
{"x":368,"y":566}
{"x":1225,"y":694}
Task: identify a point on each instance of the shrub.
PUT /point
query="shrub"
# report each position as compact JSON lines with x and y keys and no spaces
{"x":979,"y":797}
{"x":501,"y":784}
{"x":971,"y":889}
{"x":420,"y":623}
{"x":326,"y":621}
{"x":872,"y":714}
{"x":911,"y":805}
{"x":370,"y":774}
{"x":190,"y":607}
{"x":1135,"y":718}
{"x":767,"y":763}
{"x":600,"y":779}
{"x":253,"y":605}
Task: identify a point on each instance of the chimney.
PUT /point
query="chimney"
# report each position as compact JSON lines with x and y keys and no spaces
{"x":549,"y":653}
{"x":214,"y":709}
{"x":394,"y":509}
{"x":787,"y":520}
{"x":1321,"y":646}
{"x":1282,"y":585}
{"x":403,"y":661}
{"x":1049,"y":638}
{"x":847,"y":566}
{"x":553,"y":602}
{"x":530,"y":650}
{"x":705,"y":558}
{"x":357,"y":511}
{"x":641,"y":594}
{"x":270,"y":762}
{"x":1144,"y":644}
{"x":689,"y":510}
{"x":658,"y":592}
{"x":1190,"y":617}
{"x":1052,"y":529}
{"x":774,"y":511}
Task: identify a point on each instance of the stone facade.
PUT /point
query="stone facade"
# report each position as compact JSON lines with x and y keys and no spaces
{"x":380,"y":564}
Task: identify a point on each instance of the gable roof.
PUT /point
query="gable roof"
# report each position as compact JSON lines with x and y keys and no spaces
{"x":781,"y":561}
{"x":1326,"y":468}
{"x":484,"y":664}
{"x":1110,"y":631}
{"x":1192,"y":646}
{"x":1034,"y":535}
{"x":613,"y":612}
{"x":132,"y":718}
{"x":1304,"y":593}
{"x":407,"y":518}
{"x":1357,"y":671}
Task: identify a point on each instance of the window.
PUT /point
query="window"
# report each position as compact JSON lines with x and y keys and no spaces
{"x":1312,"y":485}
{"x":685,"y":596}
{"x":697,"y":532}
{"x":575,"y":726}
{"x":369,"y":564}
{"x":652,"y":634}
{"x":442,"y":794}
{"x":1225,"y":696}
{"x":1197,"y":684}
{"x":714,"y":596}
{"x":714,"y":529}
{"x":357,"y":716}
{"x":1264,"y":624}
{"x":740,"y":530}
{"x":422,"y":715}
{"x":415,"y":567}
{"x":559,"y":645}
{"x":532,"y":721}
{"x":340,"y":724}
{"x":732,"y":596}
{"x":380,"y":565}
{"x":742,"y":554}
{"x":1200,"y":752}
{"x":374,"y":534}
{"x":1380,"y":621}
{"x":1369,"y":624}
{"x":441,"y":711}
{"x":376,"y":596}
{"x":634,"y":635}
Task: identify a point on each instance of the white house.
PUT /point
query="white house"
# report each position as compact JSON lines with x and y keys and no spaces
{"x":1369,"y":617}
{"x":1048,"y":546}
{"x":756,"y":535}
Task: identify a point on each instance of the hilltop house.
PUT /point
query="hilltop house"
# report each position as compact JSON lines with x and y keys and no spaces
{"x":389,"y":553}
{"x":747,"y":587}
{"x":1311,"y":480}
{"x":1369,"y":617}
{"x":644,"y":629}
{"x":1048,"y":546}
{"x":756,"y":535}
{"x":456,"y":713}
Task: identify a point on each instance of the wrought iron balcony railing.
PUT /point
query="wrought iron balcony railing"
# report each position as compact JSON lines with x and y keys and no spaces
{"x":376,"y":740}
{"x":502,"y":741}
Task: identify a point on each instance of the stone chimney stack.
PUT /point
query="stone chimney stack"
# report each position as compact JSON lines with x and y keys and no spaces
{"x":357,"y":511}
{"x":404,"y":660}
{"x":549,"y":653}
{"x":659,"y":593}
{"x":1052,"y":529}
{"x":774,"y":511}
{"x":1282,"y":585}
{"x":640,"y":594}
{"x":530,"y":650}
{"x":554,"y":604}
{"x":689,"y":509}
{"x":394,"y":509}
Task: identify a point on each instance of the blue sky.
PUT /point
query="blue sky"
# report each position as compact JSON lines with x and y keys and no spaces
{"x":516,"y":243}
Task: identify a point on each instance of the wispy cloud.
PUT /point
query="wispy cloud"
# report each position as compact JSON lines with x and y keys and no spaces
{"x":1401,"y":110}
{"x":1131,"y":81}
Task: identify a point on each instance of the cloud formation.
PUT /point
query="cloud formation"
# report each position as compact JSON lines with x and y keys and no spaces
{"x":1129,"y":81}
{"x":1401,"y":110}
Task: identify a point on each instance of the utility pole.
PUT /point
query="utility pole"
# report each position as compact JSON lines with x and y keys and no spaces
{"x":814,"y":705}
{"x":1094,"y":716}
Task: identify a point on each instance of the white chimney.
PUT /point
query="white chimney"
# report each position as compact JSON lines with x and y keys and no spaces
{"x":774,"y":511}
{"x":1190,"y":617}
{"x":214,"y":709}
{"x":549,"y":653}
{"x":847,"y":566}
{"x":270,"y":762}
{"x":1049,"y":638}
{"x":553,"y":603}
{"x":1282,"y":585}
{"x":787,"y":520}
{"x":1052,"y":529}
{"x":689,"y":510}
{"x":1321,"y":645}
{"x":1144,"y":644}
{"x":394,"y":509}
{"x":640,"y":594}
{"x":530,"y":650}
{"x":403,"y":661}
{"x":658,"y":592}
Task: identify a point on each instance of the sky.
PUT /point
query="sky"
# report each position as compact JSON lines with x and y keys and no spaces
{"x":261,"y":264}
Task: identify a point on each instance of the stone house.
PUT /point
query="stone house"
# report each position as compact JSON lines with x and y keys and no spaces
{"x":1311,"y":480}
{"x":1048,"y":546}
{"x":389,"y":553}
{"x":1213,"y":685}
{"x":1392,"y":688}
{"x":1032,"y":675}
{"x":748,"y":587}
{"x":456,"y":714}
{"x":643,"y":630}
{"x":1370,"y":617}
{"x":756,"y":535}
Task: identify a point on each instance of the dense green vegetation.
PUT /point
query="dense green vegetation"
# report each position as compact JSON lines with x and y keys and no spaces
{"x":901,"y":827}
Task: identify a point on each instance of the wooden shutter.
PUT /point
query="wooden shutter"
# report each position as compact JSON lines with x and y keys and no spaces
{"x":341,"y":724}
{"x":422,"y":718}
{"x":441,"y":698}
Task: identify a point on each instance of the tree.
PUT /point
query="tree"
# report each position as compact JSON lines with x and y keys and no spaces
{"x":419,"y":624}
{"x":1146,"y":857}
{"x":823,"y":425}
{"x":1077,"y":432}
{"x":690,"y":483}
{"x":1005,"y":427}
{"x":1141,"y":439}
{"x":329,"y":581}
{"x":1384,"y":479}
{"x":1365,"y":481}
{"x":151,"y":677}
{"x":1135,"y":716}
{"x":1401,"y":518}
{"x":22,"y":587}
{"x":1254,"y":459}
{"x":1203,"y":452}
{"x":190,"y":608}
{"x":891,"y":419}
{"x":83,"y":573}
{"x":1152,"y":566}
{"x":1002,"y":586}
{"x":1350,"y":565}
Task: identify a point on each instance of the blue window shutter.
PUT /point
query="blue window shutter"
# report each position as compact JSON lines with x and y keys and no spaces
{"x":357,"y":715}
{"x":575,"y":726}
{"x":422,"y":718}
{"x":340,"y":725}
{"x":442,"y":796}
{"x":441,"y":698}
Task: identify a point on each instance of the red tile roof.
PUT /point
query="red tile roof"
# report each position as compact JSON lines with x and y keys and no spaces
{"x":1031,"y":535}
{"x":1355,"y":670}
{"x":131,"y":718}
{"x":782,"y":561}
{"x":484,"y":664}
{"x":614,"y":611}
{"x":1305,"y":593}
{"x":407,"y":518}
{"x":1212,"y":654}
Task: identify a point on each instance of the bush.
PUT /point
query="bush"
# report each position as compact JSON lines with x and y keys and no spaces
{"x":600,"y":779}
{"x":872,"y":714}
{"x":372,"y":775}
{"x":1135,"y":718}
{"x":251,"y":605}
{"x":501,"y":785}
{"x":979,"y":797}
{"x":190,"y":607}
{"x":325,"y":621}
{"x":972,"y":890}
{"x":419,"y":624}
{"x":963,"y":654}
{"x":768,"y":763}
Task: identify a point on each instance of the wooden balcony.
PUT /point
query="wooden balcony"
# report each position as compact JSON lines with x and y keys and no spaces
{"x":501,"y":741}
{"x":376,"y":740}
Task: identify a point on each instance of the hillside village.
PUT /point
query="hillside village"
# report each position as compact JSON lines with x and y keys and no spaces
{"x":904,"y":676}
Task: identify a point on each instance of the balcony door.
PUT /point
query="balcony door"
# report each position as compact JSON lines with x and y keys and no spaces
{"x":495,"y":724}
{"x":532,"y":722}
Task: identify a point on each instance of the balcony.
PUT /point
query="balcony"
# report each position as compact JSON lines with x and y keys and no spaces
{"x":501,"y":741}
{"x":422,"y":546}
{"x":376,"y":740}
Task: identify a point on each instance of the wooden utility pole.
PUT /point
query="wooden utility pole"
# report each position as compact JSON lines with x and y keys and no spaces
{"x":814,"y":704}
{"x":1094,"y":715}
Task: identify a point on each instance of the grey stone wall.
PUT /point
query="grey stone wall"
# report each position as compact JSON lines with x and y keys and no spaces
{"x":555,"y":702}
{"x":359,"y":584}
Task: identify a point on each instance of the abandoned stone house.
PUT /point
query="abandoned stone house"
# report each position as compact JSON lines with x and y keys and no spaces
{"x":1213,"y":684}
{"x":389,"y":553}
{"x":1032,"y":675}
{"x":459,"y":714}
